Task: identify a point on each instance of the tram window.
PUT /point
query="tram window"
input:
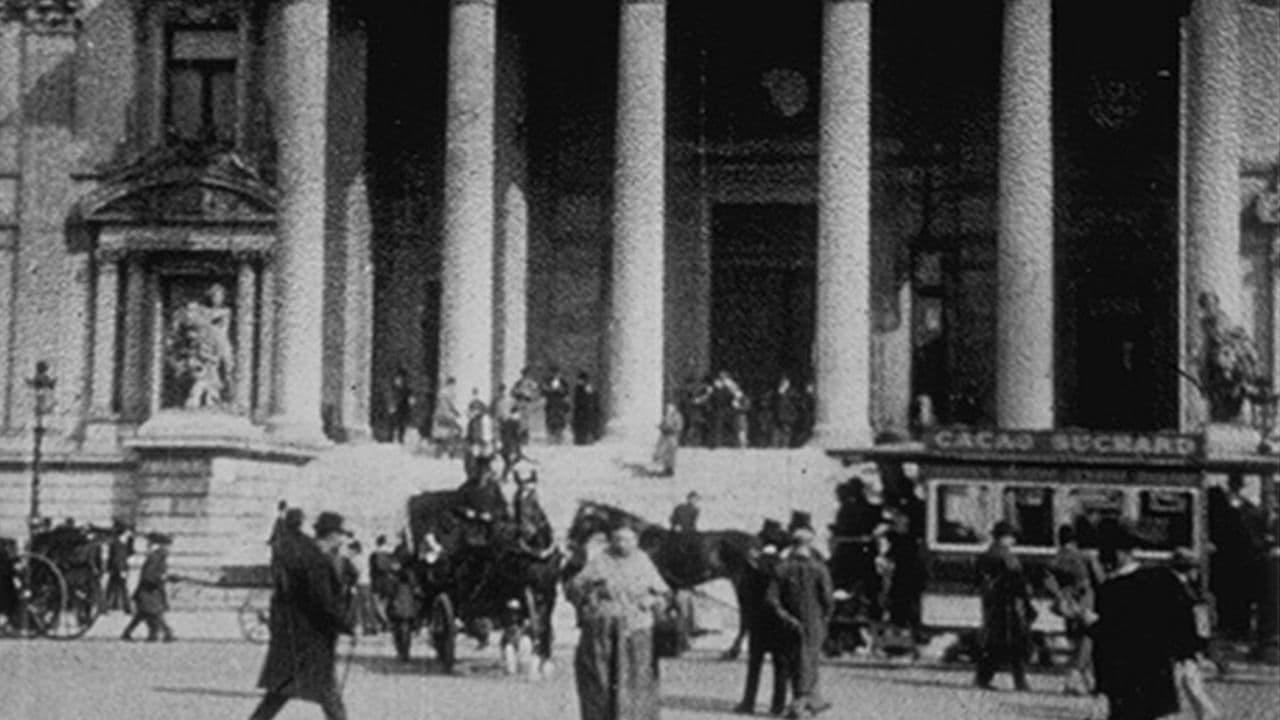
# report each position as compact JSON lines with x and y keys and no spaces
{"x":1087,"y":507}
{"x":963,"y":513}
{"x":1164,"y":518}
{"x":1029,"y":509}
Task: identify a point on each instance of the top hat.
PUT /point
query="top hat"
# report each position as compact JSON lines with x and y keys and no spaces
{"x":159,"y":538}
{"x":119,"y":525}
{"x":328,"y":523}
{"x":1003,"y":528}
{"x":800,"y":521}
{"x":1118,"y":535}
{"x":771,"y":532}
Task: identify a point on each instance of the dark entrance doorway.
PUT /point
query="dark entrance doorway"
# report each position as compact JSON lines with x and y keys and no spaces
{"x":762,"y":293}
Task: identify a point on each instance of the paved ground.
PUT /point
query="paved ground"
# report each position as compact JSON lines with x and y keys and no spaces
{"x":210,"y":675}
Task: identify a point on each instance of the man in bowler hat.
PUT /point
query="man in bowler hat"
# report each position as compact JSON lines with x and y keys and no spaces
{"x":150,"y":599}
{"x":1005,"y":636}
{"x":307,"y":615}
{"x":1144,"y":624}
{"x":801,"y":597}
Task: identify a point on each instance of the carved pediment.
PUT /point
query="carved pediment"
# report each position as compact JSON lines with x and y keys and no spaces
{"x":181,"y":184}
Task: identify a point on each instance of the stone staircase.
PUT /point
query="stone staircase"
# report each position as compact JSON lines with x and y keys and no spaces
{"x":370,"y":483}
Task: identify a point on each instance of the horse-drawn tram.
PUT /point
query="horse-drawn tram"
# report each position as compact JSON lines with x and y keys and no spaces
{"x":1040,"y":481}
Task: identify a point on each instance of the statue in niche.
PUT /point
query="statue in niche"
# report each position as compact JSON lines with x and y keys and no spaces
{"x":199,"y":352}
{"x":1230,"y":371}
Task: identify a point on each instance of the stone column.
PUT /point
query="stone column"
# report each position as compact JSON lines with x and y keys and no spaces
{"x":466,"y":292}
{"x":635,"y":328}
{"x":842,"y":337}
{"x":1024,"y":270}
{"x":105,"y":305}
{"x":302,"y":135}
{"x":246,"y":325}
{"x":133,"y":378}
{"x":514,"y":276}
{"x":1212,"y":176}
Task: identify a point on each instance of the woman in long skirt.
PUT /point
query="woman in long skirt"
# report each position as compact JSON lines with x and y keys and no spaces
{"x":616,"y":595}
{"x":669,"y":432}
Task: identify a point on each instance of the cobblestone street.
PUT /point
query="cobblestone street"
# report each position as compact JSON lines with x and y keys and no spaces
{"x":209,"y":675}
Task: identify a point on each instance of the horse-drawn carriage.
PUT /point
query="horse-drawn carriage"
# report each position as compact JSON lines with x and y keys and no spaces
{"x":465,"y":568}
{"x":52,"y":589}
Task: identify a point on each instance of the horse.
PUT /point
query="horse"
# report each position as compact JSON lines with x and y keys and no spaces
{"x":685,"y":560}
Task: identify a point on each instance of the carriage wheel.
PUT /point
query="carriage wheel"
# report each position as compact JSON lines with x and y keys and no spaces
{"x":254,"y":616}
{"x":81,"y":607}
{"x":444,"y":631}
{"x":41,"y":593}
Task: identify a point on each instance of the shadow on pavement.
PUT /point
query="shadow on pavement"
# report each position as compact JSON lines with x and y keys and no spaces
{"x":208,"y":692}
{"x":698,"y":704}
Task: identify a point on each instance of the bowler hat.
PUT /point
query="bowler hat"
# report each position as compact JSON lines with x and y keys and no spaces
{"x":800,"y":520}
{"x":1003,"y":528}
{"x":329,"y":523}
{"x":159,"y":538}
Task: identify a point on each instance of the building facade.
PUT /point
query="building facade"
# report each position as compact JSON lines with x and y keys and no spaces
{"x":242,"y":216}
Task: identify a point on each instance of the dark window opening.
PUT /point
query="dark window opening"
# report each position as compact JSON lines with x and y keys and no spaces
{"x":200,"y":75}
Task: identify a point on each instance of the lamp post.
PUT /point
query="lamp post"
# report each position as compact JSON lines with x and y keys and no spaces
{"x":42,"y":386}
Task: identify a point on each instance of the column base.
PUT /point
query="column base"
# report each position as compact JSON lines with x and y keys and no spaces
{"x":621,"y":434}
{"x":102,"y":431}
{"x":291,"y":431}
{"x":829,"y":436}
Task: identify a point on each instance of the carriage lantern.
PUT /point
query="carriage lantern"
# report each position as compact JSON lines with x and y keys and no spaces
{"x":42,"y":386}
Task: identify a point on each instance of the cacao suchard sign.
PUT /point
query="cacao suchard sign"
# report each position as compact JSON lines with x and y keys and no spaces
{"x":1064,"y":442}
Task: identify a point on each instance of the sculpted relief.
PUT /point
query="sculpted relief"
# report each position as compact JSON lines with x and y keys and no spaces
{"x":199,"y":355}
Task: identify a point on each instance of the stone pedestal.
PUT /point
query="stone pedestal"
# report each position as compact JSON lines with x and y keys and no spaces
{"x":212,"y":480}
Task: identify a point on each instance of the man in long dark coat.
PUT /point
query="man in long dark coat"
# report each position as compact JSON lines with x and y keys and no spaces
{"x":306,"y":618}
{"x":586,"y":411}
{"x":150,"y":600}
{"x":1144,"y":623}
{"x":116,"y":596}
{"x":765,"y":632}
{"x":1006,"y":610}
{"x":801,"y":597}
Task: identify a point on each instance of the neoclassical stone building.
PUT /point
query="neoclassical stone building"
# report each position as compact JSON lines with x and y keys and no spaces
{"x":1009,"y":206}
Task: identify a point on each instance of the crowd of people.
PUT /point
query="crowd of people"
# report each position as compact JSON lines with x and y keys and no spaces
{"x":719,"y":413}
{"x":570,"y":410}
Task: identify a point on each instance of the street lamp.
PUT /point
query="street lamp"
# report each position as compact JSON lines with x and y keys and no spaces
{"x":42,"y":386}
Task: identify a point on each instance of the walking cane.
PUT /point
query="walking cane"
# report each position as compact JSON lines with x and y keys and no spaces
{"x":346,"y":667}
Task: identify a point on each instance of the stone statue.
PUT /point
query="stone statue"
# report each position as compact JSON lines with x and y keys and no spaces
{"x":1230,"y":372}
{"x":199,"y":350}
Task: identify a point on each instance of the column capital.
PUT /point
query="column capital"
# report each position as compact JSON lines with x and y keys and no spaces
{"x":43,"y":15}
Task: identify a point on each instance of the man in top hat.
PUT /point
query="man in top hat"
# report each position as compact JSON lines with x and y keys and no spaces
{"x":150,"y":599}
{"x":1143,"y":624}
{"x":765,"y":633}
{"x":306,"y":617}
{"x":801,"y":598}
{"x":1005,"y":635}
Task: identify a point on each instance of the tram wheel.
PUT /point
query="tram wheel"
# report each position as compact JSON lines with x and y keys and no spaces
{"x":444,"y":631}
